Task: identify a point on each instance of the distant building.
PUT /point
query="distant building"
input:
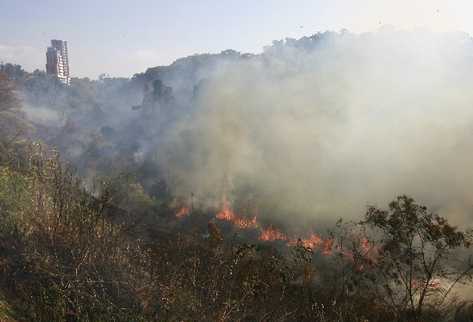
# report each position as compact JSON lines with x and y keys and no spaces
{"x":57,"y":61}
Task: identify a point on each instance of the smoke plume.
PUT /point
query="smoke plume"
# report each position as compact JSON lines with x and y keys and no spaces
{"x":322,"y":126}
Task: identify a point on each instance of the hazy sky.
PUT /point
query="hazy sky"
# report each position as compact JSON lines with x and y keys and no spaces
{"x":123,"y":37}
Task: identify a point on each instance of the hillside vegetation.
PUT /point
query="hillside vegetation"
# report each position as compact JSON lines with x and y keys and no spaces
{"x":94,"y":228}
{"x":67,"y":255}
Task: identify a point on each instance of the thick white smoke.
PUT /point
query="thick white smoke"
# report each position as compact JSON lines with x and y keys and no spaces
{"x":321,"y":127}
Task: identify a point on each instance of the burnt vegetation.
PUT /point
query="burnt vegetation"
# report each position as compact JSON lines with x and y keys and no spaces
{"x":64,"y":257}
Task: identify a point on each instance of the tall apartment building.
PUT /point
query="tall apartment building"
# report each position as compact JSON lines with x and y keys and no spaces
{"x":57,"y":61}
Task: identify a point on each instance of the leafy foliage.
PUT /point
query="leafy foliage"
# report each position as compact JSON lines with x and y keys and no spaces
{"x":418,"y":256}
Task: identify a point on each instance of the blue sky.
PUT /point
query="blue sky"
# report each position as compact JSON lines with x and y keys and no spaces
{"x":122,"y":37}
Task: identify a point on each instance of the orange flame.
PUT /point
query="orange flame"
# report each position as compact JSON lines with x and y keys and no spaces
{"x":365,"y":245}
{"x":370,"y":251}
{"x":327,"y":246}
{"x":272,"y":234}
{"x":227,"y":214}
{"x":246,"y":223}
{"x":183,"y":212}
{"x":433,"y":284}
{"x":314,"y":241}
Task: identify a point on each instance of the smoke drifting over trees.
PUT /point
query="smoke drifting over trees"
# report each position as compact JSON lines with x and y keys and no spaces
{"x":321,"y":126}
{"x":265,"y":148}
{"x":315,"y":128}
